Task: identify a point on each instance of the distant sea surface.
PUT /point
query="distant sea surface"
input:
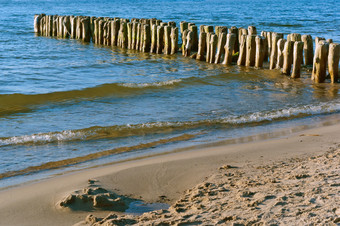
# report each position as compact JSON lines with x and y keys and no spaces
{"x":68,"y":105}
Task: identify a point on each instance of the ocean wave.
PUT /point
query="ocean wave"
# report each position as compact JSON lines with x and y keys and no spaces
{"x":120,"y":131}
{"x":153,"y":84}
{"x":17,"y":103}
{"x":21,"y":103}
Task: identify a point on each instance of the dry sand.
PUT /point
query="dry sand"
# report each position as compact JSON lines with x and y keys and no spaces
{"x":291,"y":180}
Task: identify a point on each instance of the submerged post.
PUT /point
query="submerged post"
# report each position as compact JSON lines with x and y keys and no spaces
{"x":114,"y":32}
{"x":280,"y":47}
{"x":243,"y":50}
{"x":146,"y":38}
{"x":153,"y":47}
{"x":308,"y":49}
{"x":229,"y":48}
{"x":287,"y":57}
{"x":188,"y":44}
{"x":201,"y":46}
{"x":37,"y":23}
{"x":261,"y":44}
{"x":297,"y":59}
{"x":167,"y":40}
{"x":174,"y":40}
{"x":160,"y":43}
{"x":251,"y":50}
{"x":273,"y":55}
{"x":212,"y":48}
{"x":320,"y":62}
{"x":220,"y":46}
{"x":333,"y":61}
{"x":234,"y":30}
{"x":193,"y":29}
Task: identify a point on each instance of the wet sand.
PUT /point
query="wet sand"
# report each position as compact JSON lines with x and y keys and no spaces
{"x":289,"y":179}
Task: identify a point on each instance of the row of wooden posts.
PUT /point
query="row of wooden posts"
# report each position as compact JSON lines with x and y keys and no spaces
{"x":220,"y":45}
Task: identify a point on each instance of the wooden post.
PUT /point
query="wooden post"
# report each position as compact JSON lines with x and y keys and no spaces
{"x":242,"y":31}
{"x":207,"y":58}
{"x":92,"y":18}
{"x":273,"y":55}
{"x":287,"y":57}
{"x":174,"y":40}
{"x":172,"y":23}
{"x":265,"y":57}
{"x":329,"y":40}
{"x":280,"y":47}
{"x":201,"y":46}
{"x":167,"y":40}
{"x":61,"y":26}
{"x":212,"y":48}
{"x":219,"y":30}
{"x":251,"y":50}
{"x":115,"y":25}
{"x":261,"y":44}
{"x":333,"y":61}
{"x":158,"y":22}
{"x":146,"y":38}
{"x":208,"y":29}
{"x":160,"y":43}
{"x":42,"y":25}
{"x":193,"y":29}
{"x":67,"y":27}
{"x":104,"y":32}
{"x":320,"y":62}
{"x":79,"y":29}
{"x":100,"y":32}
{"x":308,"y":49}
{"x":141,"y":36}
{"x":229,"y":48}
{"x":153,"y":47}
{"x":129,"y":35}
{"x":184,"y":41}
{"x":183,"y":26}
{"x":108,"y":32}
{"x":295,"y":37}
{"x":52,"y":29}
{"x":37,"y":19}
{"x":317,"y":39}
{"x":221,"y":44}
{"x":297,"y":59}
{"x":134,"y":34}
{"x":269,"y":41}
{"x":188,"y":44}
{"x":73,"y":27}
{"x":122,"y":36}
{"x":252,"y":30}
{"x":55,"y":26}
{"x":96,"y":31}
{"x":49,"y":25}
{"x":138,"y":39}
{"x":234,"y":30}
{"x":86,"y":29}
{"x":243,"y":50}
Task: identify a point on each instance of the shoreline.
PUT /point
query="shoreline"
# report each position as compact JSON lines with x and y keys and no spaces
{"x":46,"y":174}
{"x":149,"y":179}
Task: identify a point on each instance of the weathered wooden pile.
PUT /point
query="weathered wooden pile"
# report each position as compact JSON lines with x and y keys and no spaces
{"x":214,"y":45}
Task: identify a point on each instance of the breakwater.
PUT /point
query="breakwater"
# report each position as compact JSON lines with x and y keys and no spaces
{"x":214,"y":45}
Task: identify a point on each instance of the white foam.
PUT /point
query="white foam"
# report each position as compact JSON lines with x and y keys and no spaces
{"x":153,"y":84}
{"x":41,"y":138}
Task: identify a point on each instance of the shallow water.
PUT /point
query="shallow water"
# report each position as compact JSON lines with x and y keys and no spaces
{"x":63,"y":102}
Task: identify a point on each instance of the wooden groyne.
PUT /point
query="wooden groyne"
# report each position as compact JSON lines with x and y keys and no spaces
{"x":218,"y":45}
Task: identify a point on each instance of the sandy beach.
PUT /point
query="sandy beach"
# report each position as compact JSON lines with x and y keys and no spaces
{"x":288,"y":180}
